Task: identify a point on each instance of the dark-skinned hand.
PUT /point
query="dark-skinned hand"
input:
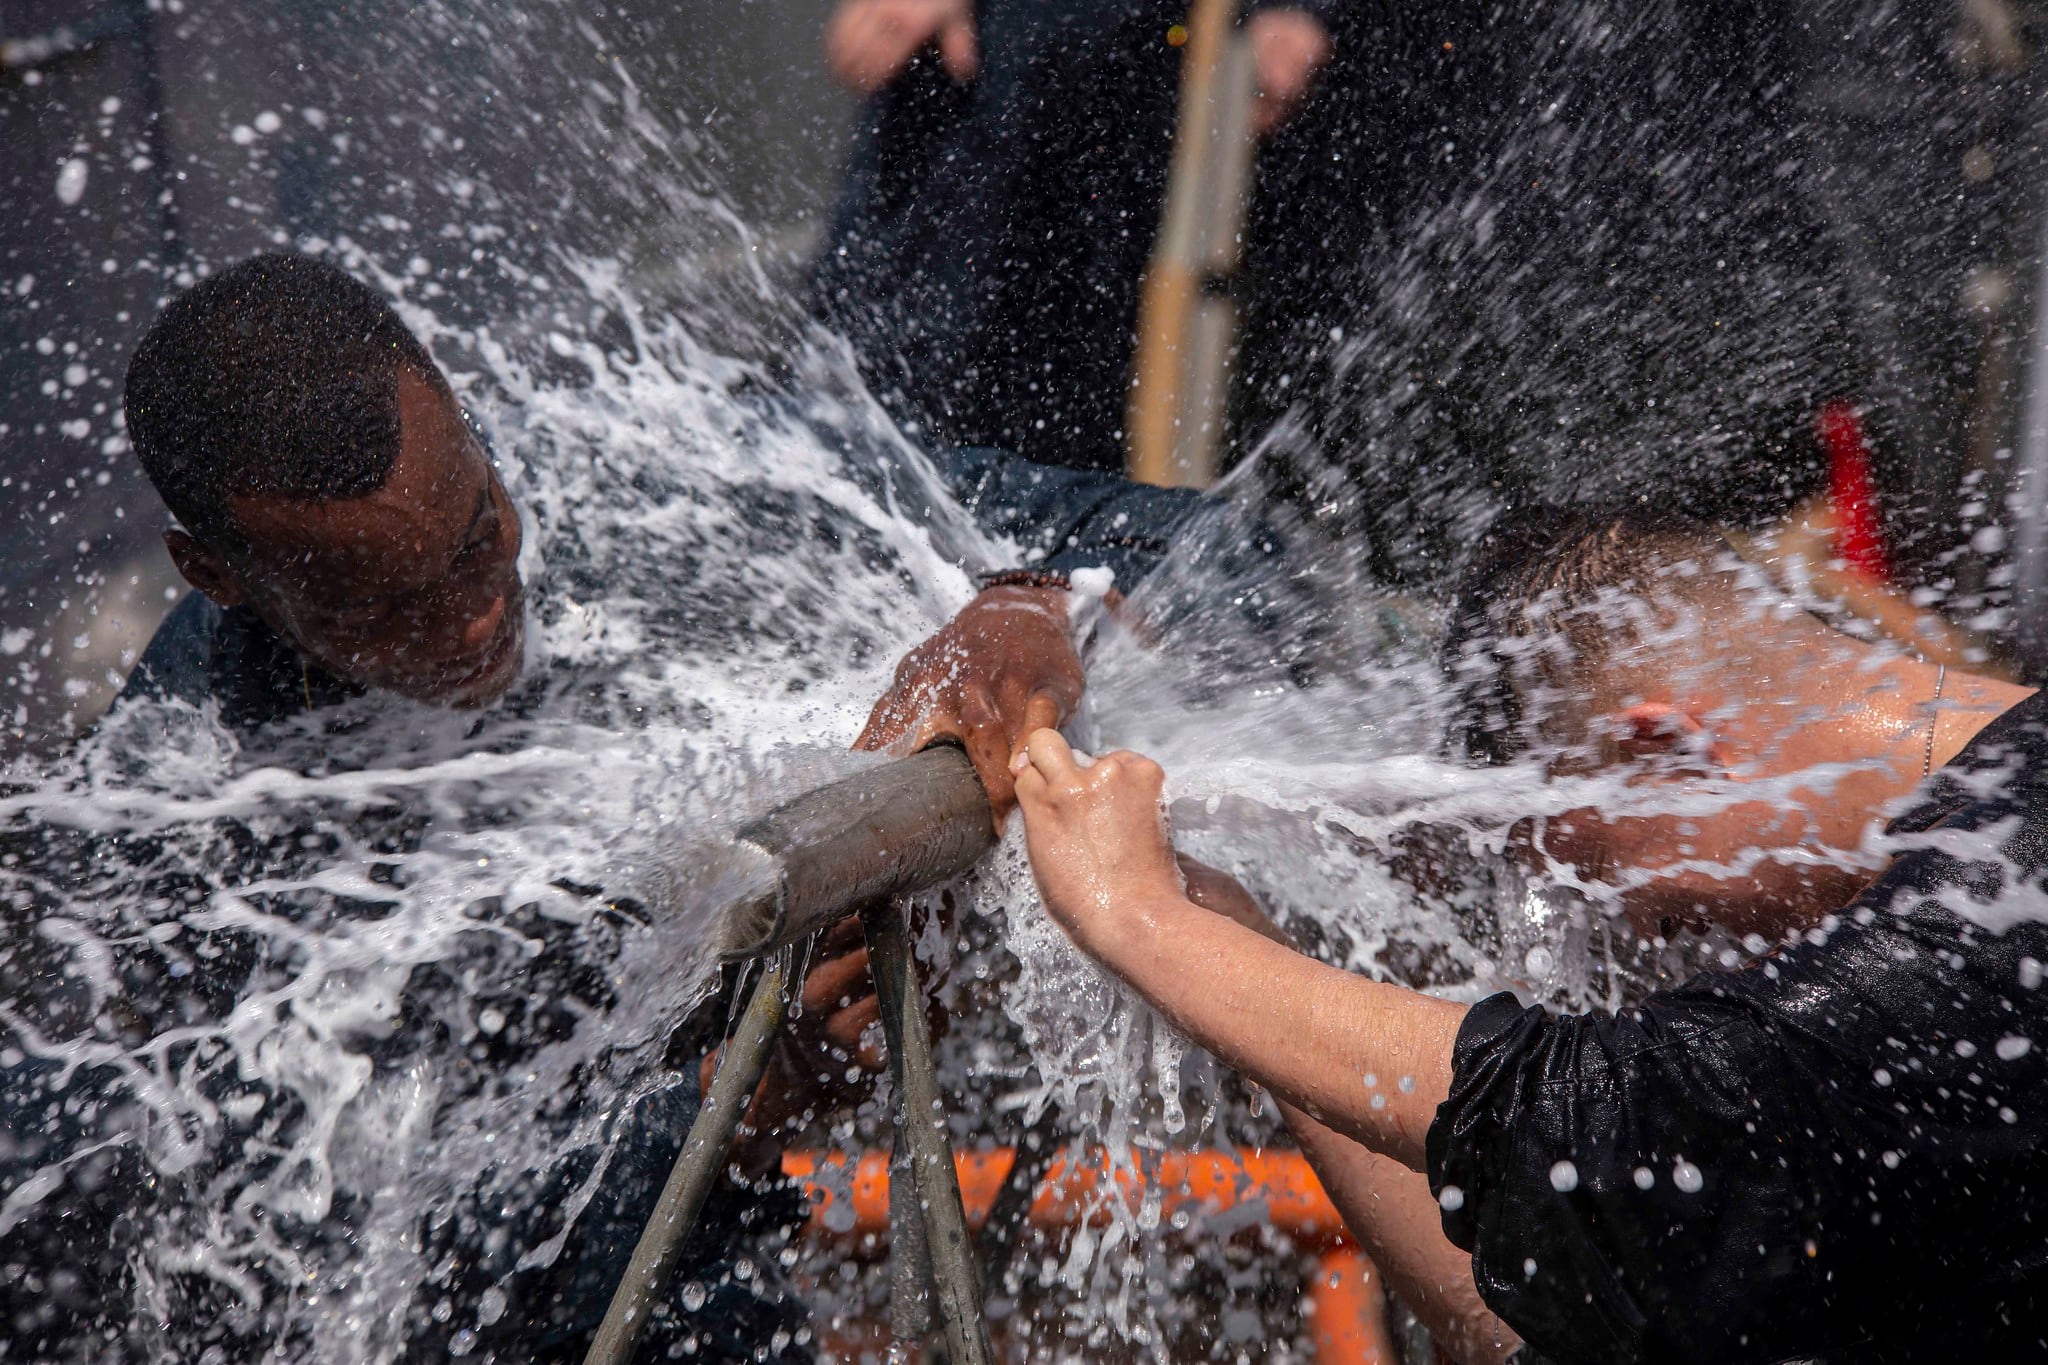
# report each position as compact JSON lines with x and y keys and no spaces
{"x":827,"y":1051}
{"x":1005,"y":666}
{"x":838,"y":1027}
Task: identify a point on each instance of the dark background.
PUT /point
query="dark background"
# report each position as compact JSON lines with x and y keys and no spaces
{"x":1536,"y":253}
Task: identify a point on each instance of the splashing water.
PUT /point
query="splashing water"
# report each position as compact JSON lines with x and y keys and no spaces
{"x":285,"y":999}
{"x":347,"y":969}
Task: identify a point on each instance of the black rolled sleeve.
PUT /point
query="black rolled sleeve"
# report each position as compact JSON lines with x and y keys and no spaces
{"x":1623,"y":1181}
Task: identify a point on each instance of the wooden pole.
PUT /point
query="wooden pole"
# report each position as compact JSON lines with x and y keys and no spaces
{"x":1187,"y":322}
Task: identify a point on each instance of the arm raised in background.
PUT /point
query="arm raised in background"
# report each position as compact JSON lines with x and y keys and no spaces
{"x":869,"y":42}
{"x":1290,"y":47}
{"x":1306,"y":1031}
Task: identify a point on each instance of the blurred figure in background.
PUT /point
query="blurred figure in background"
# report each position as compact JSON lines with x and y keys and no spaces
{"x":1004,"y":192}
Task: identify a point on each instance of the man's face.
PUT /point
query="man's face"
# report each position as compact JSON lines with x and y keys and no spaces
{"x":414,"y":587}
{"x":1739,"y":792}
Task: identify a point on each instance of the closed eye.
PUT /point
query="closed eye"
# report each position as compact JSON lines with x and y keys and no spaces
{"x":482,"y":532}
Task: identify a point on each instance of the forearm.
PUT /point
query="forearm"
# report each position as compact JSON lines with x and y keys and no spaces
{"x":1371,"y":1060}
{"x":1389,"y":1209}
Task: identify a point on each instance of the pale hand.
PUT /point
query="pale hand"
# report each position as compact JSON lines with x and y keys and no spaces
{"x":868,"y":43}
{"x":1289,"y":48}
{"x":1097,"y":837}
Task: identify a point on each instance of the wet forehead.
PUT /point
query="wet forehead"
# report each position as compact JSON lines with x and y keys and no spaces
{"x":397,"y":538}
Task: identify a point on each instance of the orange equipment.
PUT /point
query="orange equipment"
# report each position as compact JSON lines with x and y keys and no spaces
{"x":1348,"y":1321}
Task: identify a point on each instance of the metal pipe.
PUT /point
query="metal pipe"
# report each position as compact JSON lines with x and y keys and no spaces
{"x":1011,"y":1209}
{"x":886,"y":831}
{"x":697,"y":1166}
{"x":921,"y":1127}
{"x":2028,"y":501}
{"x":889,"y":830}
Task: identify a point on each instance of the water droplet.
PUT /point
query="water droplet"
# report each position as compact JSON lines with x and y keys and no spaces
{"x":71,"y":182}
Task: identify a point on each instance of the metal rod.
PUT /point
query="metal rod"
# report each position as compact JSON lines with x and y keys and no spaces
{"x":2029,"y":500}
{"x":696,"y":1169}
{"x":911,"y":1286}
{"x":1003,"y":1229}
{"x":157,"y":135}
{"x":921,"y":1125}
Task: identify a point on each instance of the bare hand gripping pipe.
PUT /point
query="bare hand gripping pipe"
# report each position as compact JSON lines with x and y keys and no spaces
{"x":885,"y":832}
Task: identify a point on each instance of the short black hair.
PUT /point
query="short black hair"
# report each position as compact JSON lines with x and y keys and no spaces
{"x":279,"y":375}
{"x":1533,"y":591}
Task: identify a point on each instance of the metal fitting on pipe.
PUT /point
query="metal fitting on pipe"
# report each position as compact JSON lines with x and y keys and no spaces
{"x":887,"y":831}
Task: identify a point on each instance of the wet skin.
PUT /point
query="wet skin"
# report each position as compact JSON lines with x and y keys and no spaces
{"x":1832,"y":732}
{"x":412,"y":588}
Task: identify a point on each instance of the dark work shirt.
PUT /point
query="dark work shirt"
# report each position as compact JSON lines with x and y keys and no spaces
{"x":1068,"y":519}
{"x":986,"y":253}
{"x":203,"y":652}
{"x":1063,"y":520}
{"x":743,"y":1307}
{"x":1838,"y":1152}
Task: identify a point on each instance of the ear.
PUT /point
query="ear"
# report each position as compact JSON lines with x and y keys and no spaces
{"x":204,"y":569}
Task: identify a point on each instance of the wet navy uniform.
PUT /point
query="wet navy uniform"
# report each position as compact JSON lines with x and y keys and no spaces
{"x":76,"y":1194}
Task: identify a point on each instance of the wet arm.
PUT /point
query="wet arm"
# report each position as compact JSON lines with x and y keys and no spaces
{"x":1391,"y":1212}
{"x":1371,"y":1060}
{"x":1308,"y":1032}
